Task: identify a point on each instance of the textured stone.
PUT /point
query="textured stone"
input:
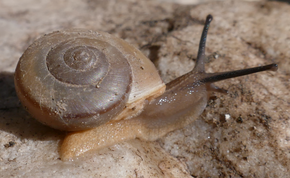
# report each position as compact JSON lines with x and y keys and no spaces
{"x":245,"y":133}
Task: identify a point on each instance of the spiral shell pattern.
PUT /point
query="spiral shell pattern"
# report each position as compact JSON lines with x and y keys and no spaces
{"x":73,"y":80}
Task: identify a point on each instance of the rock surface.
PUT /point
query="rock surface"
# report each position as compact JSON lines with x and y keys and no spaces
{"x":243,"y":134}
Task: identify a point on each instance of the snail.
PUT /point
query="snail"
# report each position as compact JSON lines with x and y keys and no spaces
{"x":105,"y":91}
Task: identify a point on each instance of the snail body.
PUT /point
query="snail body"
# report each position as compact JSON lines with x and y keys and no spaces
{"x":123,"y":98}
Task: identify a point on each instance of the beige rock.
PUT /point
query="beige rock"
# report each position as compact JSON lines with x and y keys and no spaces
{"x":244,"y":133}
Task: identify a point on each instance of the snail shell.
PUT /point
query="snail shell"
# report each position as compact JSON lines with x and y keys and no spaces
{"x":79,"y":79}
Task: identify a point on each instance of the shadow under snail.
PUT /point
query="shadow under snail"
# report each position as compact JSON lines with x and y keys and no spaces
{"x":106,"y":91}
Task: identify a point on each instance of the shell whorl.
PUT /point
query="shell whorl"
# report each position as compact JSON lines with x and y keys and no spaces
{"x":74,"y":80}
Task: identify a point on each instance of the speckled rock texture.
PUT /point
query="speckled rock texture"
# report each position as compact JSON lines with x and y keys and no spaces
{"x":245,"y":133}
